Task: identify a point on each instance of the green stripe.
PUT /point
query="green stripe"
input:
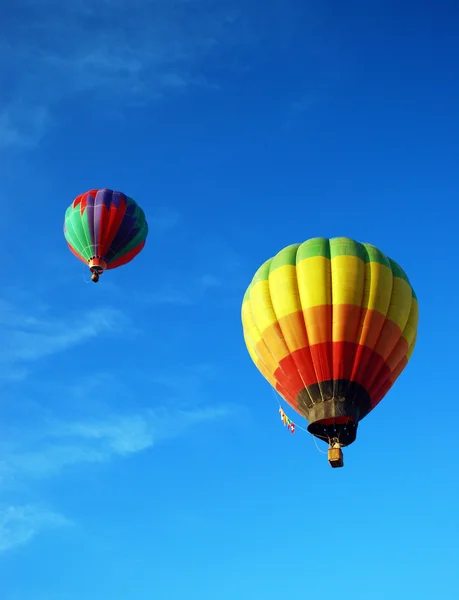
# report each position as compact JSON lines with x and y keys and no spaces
{"x":286,"y":257}
{"x":78,"y":232}
{"x":328,"y":248}
{"x":373,"y":254}
{"x":342,"y":246}
{"x":314,"y":247}
{"x":397,"y":271}
{"x":262,"y":274}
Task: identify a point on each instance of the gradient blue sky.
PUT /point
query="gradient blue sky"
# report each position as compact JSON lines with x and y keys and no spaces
{"x":141,"y":453}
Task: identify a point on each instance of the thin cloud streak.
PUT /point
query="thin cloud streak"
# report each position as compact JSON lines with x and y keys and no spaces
{"x":20,"y":524}
{"x":61,"y":444}
{"x":82,"y":433}
{"x":145,"y":50}
{"x":30,"y":334}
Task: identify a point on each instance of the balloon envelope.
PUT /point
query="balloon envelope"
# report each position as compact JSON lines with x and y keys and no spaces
{"x":105,"y":229}
{"x":331,"y":324}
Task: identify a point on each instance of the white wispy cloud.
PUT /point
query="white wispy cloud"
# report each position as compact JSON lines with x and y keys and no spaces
{"x":55,"y":425}
{"x":121,"y":52}
{"x":88,"y":426}
{"x":20,"y":524}
{"x":34,"y":332}
{"x":38,"y":338}
{"x":59,"y":444}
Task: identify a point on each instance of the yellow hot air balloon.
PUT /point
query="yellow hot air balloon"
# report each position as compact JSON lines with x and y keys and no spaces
{"x":331,"y":324}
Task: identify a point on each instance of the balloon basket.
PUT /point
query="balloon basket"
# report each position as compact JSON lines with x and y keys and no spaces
{"x":335,"y":457}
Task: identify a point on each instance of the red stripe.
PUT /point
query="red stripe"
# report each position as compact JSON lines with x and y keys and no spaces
{"x":122,"y":260}
{"x":338,"y":360}
{"x":287,"y":397}
{"x":109,"y":224}
{"x":82,"y":199}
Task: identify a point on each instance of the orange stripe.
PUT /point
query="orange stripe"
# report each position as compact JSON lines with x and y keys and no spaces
{"x":264,"y":354}
{"x":275,"y":341}
{"x":371,"y":324}
{"x":341,"y":322}
{"x":318,"y":321}
{"x":388,"y":339}
{"x":346,"y":322}
{"x":294,"y":331}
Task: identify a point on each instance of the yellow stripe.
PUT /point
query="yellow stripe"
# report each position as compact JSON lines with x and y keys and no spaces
{"x":377,"y":288}
{"x":411,"y":348}
{"x":262,"y":308}
{"x":249,"y":325}
{"x":400,"y":303}
{"x":263,"y":327}
{"x":250,"y":348}
{"x":409,"y":333}
{"x":256,"y":346}
{"x":347,"y":275}
{"x":314,"y":281}
{"x":287,"y":306}
{"x":284,"y":291}
{"x":266,"y":374}
{"x":259,"y":363}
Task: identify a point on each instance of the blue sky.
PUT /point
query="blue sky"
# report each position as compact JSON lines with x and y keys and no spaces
{"x":141,"y":453}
